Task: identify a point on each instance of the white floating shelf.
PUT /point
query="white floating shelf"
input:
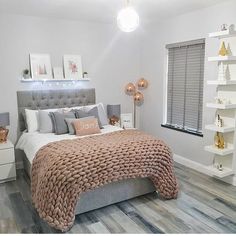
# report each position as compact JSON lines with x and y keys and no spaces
{"x":221,"y":106}
{"x":220,"y":174}
{"x":222,"y":34}
{"x":221,"y":82}
{"x":222,"y":152}
{"x":222,"y":58}
{"x":53,"y":80}
{"x":225,"y":129}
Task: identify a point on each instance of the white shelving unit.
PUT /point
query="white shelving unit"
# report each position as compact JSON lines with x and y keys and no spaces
{"x":226,"y":156}
{"x":223,"y":34}
{"x":52,"y":80}
{"x":221,"y":106}
{"x":219,"y":174}
{"x":224,"y":129}
{"x":221,"y":82}
{"x":222,"y":152}
{"x":222,"y":58}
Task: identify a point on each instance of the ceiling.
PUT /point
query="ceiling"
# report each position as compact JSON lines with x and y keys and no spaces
{"x":102,"y":10}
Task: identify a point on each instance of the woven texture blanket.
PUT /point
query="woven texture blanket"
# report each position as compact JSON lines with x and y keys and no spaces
{"x":62,"y":170}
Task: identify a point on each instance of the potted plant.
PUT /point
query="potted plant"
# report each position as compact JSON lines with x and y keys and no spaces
{"x":26,"y":74}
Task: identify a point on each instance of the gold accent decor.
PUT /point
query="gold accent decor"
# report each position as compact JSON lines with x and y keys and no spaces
{"x":114,"y":121}
{"x":219,"y":140}
{"x":130,"y":89}
{"x":138,"y":98}
{"x":3,"y":134}
{"x":223,"y":51}
{"x":142,"y":83}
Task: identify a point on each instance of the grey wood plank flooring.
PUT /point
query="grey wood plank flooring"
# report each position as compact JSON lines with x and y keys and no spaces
{"x":204,"y":205}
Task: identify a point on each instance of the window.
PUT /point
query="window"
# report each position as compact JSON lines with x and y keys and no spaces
{"x":185,"y":86}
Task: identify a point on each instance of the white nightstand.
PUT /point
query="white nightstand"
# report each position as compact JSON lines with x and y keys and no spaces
{"x":7,"y":162}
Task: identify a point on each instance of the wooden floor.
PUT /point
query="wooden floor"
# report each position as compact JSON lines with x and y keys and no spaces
{"x":204,"y":205}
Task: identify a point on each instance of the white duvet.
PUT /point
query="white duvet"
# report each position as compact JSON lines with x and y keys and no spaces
{"x":30,"y":143}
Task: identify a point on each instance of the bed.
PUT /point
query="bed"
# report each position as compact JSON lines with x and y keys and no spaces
{"x":31,"y":143}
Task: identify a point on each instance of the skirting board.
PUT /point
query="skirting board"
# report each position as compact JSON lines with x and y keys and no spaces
{"x":201,"y":168}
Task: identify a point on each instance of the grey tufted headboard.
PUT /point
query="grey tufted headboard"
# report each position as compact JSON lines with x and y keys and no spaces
{"x":48,"y":99}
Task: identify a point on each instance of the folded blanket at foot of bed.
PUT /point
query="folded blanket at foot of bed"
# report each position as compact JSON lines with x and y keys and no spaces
{"x":62,"y":170}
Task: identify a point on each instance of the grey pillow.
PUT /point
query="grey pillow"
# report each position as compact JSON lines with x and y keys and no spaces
{"x":102,"y":115}
{"x":24,"y":120}
{"x":70,"y":124}
{"x":59,"y":122}
{"x":93,"y":112}
{"x":45,"y":122}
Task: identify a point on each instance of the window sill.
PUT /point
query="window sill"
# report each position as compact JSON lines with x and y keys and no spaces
{"x":182,"y":130}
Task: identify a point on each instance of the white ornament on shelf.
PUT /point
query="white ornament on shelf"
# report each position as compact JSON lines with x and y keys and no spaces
{"x":231,"y":28}
{"x":218,"y":121}
{"x":229,"y":51}
{"x":227,"y":72}
{"x":224,"y":101}
{"x":223,"y":73}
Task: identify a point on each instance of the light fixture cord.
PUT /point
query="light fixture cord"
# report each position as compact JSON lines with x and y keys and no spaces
{"x":127,"y":3}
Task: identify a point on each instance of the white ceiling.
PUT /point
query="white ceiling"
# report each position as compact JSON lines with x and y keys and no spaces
{"x":102,"y":10}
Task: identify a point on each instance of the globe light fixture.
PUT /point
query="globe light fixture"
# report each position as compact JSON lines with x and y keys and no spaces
{"x":128,"y":19}
{"x":138,"y":98}
{"x":130,"y":89}
{"x":142,"y":83}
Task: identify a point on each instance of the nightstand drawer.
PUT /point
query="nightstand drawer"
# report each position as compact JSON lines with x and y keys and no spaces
{"x":7,"y":156}
{"x":7,"y":171}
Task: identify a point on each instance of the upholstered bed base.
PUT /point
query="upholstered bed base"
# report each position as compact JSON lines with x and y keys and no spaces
{"x":103,"y":196}
{"x":108,"y":194}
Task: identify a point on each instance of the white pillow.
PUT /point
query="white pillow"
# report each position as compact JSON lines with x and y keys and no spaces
{"x":32,"y":120}
{"x":44,"y":120}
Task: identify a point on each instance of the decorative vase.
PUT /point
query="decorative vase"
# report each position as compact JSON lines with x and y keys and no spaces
{"x":219,"y":140}
{"x":3,"y":134}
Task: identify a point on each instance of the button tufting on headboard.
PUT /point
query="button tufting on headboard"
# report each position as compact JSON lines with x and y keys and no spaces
{"x":48,"y":99}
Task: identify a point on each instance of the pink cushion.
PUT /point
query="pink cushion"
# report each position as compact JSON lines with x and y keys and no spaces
{"x":86,"y":126}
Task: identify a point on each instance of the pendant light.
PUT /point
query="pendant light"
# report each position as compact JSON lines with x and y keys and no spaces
{"x":128,"y":19}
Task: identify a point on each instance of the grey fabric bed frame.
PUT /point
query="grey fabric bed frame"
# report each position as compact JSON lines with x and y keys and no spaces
{"x":100,"y":197}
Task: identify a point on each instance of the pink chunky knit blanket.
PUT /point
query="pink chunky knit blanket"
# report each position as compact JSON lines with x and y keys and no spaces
{"x":62,"y":170}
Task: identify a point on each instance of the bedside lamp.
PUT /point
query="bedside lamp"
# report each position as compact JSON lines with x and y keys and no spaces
{"x":4,"y":121}
{"x":113,"y":114}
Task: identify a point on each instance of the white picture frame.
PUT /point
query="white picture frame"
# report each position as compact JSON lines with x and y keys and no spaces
{"x":58,"y":73}
{"x":40,"y":66}
{"x":73,"y":67}
{"x":127,"y":121}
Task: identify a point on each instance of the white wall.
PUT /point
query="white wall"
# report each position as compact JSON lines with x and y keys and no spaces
{"x":110,"y":57}
{"x":190,"y":26}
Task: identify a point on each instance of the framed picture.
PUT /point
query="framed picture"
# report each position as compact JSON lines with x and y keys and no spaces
{"x":40,"y":65}
{"x":73,"y":67}
{"x":58,"y":73}
{"x":127,"y":121}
